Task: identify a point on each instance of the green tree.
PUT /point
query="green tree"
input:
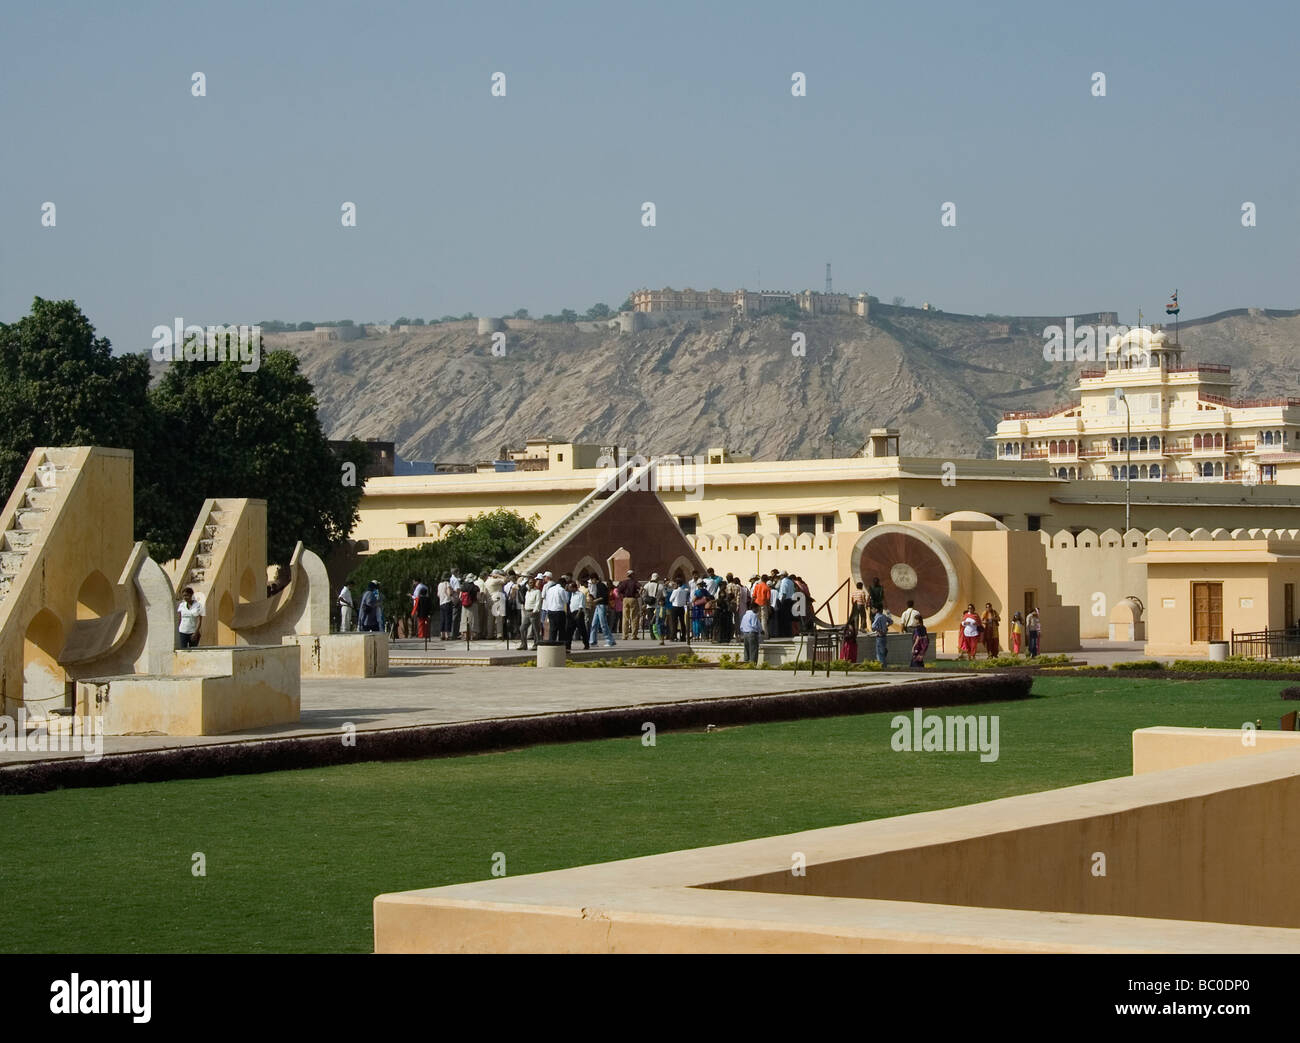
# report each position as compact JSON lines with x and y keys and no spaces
{"x":522,"y":313}
{"x":568,"y":315}
{"x":486,"y":542}
{"x":306,"y":326}
{"x":598,"y":311}
{"x":245,"y":434}
{"x":61,"y":385}
{"x":401,"y":320}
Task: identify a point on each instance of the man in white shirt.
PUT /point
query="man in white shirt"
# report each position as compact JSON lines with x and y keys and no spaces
{"x":555,"y":603}
{"x":531,"y":617}
{"x":577,"y":621}
{"x":444,"y":608}
{"x":346,"y":606}
{"x":190,"y":619}
{"x":909,"y":618}
{"x":680,"y":600}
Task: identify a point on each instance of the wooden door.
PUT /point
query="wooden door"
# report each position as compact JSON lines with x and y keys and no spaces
{"x":1207,"y":611}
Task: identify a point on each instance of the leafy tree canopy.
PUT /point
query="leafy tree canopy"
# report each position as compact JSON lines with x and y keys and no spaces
{"x":206,"y":429}
{"x":486,"y":542}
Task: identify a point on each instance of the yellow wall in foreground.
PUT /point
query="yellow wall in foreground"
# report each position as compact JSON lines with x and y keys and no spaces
{"x":1159,"y":749}
{"x":1196,"y":859}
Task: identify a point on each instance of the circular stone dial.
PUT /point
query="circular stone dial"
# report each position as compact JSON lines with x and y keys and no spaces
{"x":908,"y":568}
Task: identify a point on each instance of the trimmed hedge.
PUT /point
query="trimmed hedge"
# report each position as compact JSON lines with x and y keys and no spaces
{"x":448,"y":740}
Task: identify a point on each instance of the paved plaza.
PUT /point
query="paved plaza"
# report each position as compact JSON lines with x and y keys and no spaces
{"x":413,"y":696}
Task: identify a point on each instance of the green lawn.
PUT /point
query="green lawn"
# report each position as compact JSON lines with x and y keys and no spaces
{"x":295,"y":858}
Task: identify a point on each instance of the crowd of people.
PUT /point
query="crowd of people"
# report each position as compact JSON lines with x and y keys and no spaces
{"x":502,"y":604}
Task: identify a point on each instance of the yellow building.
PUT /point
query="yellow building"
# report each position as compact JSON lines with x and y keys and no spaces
{"x":1148,"y":417}
{"x":1204,"y":590}
{"x":722,"y":495}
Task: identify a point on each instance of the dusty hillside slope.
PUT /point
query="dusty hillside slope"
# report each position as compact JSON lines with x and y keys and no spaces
{"x":441,"y":394}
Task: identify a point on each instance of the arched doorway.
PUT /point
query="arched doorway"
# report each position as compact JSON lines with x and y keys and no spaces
{"x":95,"y":597}
{"x":44,"y":682}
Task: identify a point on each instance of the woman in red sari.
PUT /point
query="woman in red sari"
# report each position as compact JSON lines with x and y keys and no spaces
{"x":969,"y":641}
{"x":849,"y":644}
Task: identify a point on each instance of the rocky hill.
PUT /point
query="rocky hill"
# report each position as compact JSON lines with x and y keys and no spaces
{"x":441,"y":394}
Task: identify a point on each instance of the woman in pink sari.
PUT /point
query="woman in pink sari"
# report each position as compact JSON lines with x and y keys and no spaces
{"x":920,"y":643}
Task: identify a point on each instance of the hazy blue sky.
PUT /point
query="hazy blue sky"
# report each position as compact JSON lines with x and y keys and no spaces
{"x":227,"y":207}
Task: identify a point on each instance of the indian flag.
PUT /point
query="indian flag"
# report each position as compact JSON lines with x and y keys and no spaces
{"x":1172,"y":307}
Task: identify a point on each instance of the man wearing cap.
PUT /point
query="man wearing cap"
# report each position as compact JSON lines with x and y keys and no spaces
{"x":555,"y":604}
{"x":680,"y":600}
{"x":453,"y":581}
{"x":630,"y":591}
{"x":530,"y":619}
{"x":372,"y":615}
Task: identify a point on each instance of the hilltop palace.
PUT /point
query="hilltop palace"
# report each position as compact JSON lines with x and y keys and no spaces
{"x":1160,"y":508}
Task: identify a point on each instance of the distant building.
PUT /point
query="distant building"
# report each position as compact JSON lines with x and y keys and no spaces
{"x":325,"y":334}
{"x":382,"y":457}
{"x":1180,"y":424}
{"x":749,"y":302}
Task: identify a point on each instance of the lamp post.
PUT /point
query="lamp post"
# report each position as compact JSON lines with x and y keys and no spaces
{"x":1128,"y":455}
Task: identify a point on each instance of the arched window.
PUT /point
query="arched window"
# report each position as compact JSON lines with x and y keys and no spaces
{"x":1071,"y":447}
{"x":1144,"y":470}
{"x":1060,"y":472}
{"x":1114,"y":445}
{"x":1218,"y":470}
{"x":1155,"y":470}
{"x":1218,"y":440}
{"x":1114,"y":474}
{"x":1268,"y":437}
{"x":1196,"y":441}
{"x":1155,"y":443}
{"x":1073,"y":473}
{"x":1142,"y":445}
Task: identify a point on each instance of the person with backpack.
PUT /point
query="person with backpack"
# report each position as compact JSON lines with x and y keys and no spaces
{"x":371,"y":619}
{"x":420,"y":608}
{"x":469,"y":596}
{"x":1034,"y":630}
{"x":651,"y":591}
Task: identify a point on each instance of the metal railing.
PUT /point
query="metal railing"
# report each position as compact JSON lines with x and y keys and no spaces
{"x":1267,"y":644}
